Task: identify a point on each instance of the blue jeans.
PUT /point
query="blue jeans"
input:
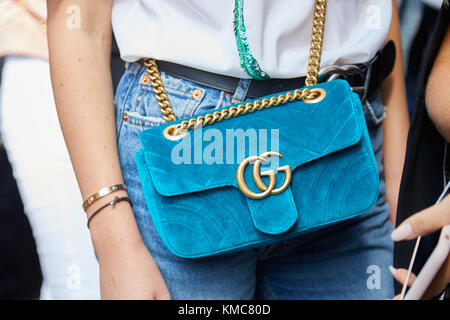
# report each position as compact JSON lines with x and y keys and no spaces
{"x":348,"y":260}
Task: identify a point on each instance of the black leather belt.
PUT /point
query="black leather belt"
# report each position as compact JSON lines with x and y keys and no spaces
{"x":363,"y":78}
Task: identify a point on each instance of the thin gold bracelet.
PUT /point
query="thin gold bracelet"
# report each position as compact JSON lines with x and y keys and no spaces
{"x":101,"y":193}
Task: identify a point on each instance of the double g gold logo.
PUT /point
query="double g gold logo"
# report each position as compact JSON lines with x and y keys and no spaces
{"x":257,"y":174}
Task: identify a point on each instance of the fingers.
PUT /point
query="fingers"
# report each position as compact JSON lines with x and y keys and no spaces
{"x":437,"y":285}
{"x":401,"y":274}
{"x":440,"y":282}
{"x":424,"y":222}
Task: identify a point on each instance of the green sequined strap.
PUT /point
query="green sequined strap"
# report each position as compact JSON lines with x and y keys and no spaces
{"x":248,"y":62}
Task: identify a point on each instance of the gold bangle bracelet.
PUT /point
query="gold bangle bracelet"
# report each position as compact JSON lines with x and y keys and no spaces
{"x":101,"y":193}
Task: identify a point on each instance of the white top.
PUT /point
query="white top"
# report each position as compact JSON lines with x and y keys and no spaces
{"x":199,"y":33}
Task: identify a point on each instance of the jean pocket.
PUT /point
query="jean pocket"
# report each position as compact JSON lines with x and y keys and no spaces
{"x":374,"y":111}
{"x":142,"y":108}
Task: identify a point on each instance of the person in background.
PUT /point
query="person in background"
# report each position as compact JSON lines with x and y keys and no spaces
{"x":417,"y":20}
{"x":20,"y":272}
{"x":427,"y":166}
{"x":39,"y":158}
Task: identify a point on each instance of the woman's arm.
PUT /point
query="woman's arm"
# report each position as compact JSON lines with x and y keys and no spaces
{"x":396,"y":123}
{"x":437,"y":95}
{"x":81,"y":79}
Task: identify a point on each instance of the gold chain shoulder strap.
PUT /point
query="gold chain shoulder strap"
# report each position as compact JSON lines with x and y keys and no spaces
{"x":178,"y":131}
{"x":159,"y":90}
{"x":315,"y":51}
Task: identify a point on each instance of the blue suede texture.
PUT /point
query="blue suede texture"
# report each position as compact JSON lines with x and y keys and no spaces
{"x":271,"y":221}
{"x":198,"y":209}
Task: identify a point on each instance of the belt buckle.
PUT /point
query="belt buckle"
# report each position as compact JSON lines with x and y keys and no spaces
{"x":344,"y":71}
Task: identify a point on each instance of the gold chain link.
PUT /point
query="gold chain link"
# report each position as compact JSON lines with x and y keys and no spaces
{"x":178,"y":131}
{"x":159,"y":90}
{"x":315,"y":51}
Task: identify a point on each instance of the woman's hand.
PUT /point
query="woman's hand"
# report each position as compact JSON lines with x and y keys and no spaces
{"x":132,"y":274}
{"x":420,"y":224}
{"x":127,"y":269}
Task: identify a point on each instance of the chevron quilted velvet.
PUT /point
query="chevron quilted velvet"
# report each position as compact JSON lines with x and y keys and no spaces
{"x":199,"y":208}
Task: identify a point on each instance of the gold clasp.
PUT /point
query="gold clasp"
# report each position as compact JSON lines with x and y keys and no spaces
{"x":266,"y":190}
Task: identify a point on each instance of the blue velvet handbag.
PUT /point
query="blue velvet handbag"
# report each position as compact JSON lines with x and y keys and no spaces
{"x":205,"y":209}
{"x":311,"y":166}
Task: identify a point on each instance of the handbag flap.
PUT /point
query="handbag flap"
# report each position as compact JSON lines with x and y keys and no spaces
{"x":208,"y":157}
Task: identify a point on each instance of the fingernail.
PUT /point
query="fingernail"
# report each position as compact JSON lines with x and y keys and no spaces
{"x":401,"y":233}
{"x":392,"y":270}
